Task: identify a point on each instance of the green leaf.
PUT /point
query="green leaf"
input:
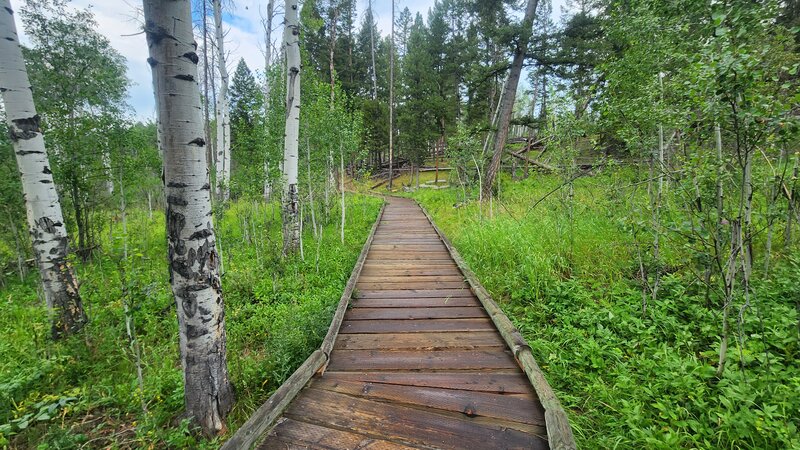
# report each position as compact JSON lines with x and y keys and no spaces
{"x":718,"y":17}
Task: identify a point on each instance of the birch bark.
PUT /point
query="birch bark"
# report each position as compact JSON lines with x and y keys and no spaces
{"x":291,"y":43}
{"x":223,"y":166}
{"x":45,"y":219}
{"x":192,"y":251}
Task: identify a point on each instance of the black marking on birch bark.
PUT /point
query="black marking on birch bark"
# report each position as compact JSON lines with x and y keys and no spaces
{"x":10,"y":39}
{"x":175,"y":184}
{"x":175,"y":200}
{"x":155,"y":34}
{"x":30,"y":152}
{"x":180,"y":248}
{"x":10,"y":11}
{"x":189,"y":304}
{"x":47,"y":225}
{"x":45,"y":181}
{"x":24,"y":129}
{"x":152,"y":62}
{"x":206,"y":187}
{"x":194,"y":332}
{"x":200,"y":142}
{"x":202,"y":234}
{"x":191,"y":56}
{"x":2,"y":89}
{"x":47,"y":170}
{"x":184,"y":77}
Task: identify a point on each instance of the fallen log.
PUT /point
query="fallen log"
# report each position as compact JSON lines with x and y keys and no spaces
{"x":538,"y":164}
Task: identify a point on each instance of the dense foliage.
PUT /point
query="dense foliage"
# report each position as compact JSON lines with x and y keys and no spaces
{"x":631,"y":380}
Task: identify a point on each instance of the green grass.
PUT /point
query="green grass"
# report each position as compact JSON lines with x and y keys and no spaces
{"x":83,"y":391}
{"x":628,"y":380}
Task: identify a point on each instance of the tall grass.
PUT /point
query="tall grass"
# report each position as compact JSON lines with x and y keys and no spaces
{"x":572,"y":286}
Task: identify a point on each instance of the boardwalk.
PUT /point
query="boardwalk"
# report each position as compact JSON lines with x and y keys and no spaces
{"x":417,"y":363}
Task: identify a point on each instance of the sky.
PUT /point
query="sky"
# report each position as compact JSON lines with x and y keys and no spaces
{"x":120,"y":21}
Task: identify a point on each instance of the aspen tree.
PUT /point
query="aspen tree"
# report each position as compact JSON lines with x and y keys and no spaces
{"x":291,"y":207}
{"x":192,"y":249}
{"x":45,"y":218}
{"x":223,"y":159}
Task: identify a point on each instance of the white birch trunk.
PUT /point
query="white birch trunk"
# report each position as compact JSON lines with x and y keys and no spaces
{"x":291,"y":44}
{"x":223,"y":120}
{"x":192,"y":251}
{"x":267,"y":52}
{"x":45,"y":219}
{"x":341,"y":187}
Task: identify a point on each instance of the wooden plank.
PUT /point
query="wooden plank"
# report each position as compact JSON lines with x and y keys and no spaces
{"x":411,"y":426}
{"x":383,"y":285}
{"x":410,"y":278}
{"x":418,"y":271}
{"x":352,"y":360}
{"x":410,"y":264}
{"x":294,"y":434}
{"x":559,"y":432}
{"x":413,"y":293}
{"x":415,"y":326}
{"x":415,"y":313}
{"x":410,"y":247}
{"x":470,"y":403}
{"x":266,"y":414}
{"x":419,"y":341}
{"x":430,"y":302}
{"x":501,"y":383}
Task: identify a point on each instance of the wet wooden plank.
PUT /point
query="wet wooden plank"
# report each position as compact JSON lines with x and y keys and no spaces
{"x":350,"y":360}
{"x":415,"y":313}
{"x":469,"y":403}
{"x":295,"y":434}
{"x":419,"y":341}
{"x":408,"y":425}
{"x":415,"y":326}
{"x":500,"y":383}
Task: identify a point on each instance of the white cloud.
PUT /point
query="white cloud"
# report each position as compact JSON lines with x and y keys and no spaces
{"x":121,"y":22}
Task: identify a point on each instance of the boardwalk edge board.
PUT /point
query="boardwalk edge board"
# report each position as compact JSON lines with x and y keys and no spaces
{"x":559,"y":432}
{"x":259,"y":423}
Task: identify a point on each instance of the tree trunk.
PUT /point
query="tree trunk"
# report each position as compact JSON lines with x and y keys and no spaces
{"x":372,"y":51}
{"x":506,"y":105}
{"x":45,"y":219}
{"x":223,"y":120}
{"x":206,"y":75}
{"x":331,"y":49}
{"x":341,"y":186}
{"x":391,"y":102}
{"x":192,"y":252}
{"x":267,"y":52}
{"x":291,"y":210}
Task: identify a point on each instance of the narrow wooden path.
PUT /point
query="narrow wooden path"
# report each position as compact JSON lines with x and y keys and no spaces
{"x":417,"y":363}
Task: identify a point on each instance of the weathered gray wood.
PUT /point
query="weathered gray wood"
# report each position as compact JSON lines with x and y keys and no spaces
{"x":336,"y":323}
{"x":559,"y":432}
{"x":267,"y":413}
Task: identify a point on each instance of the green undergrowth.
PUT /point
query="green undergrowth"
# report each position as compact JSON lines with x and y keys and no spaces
{"x":83,"y":392}
{"x":630,"y":380}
